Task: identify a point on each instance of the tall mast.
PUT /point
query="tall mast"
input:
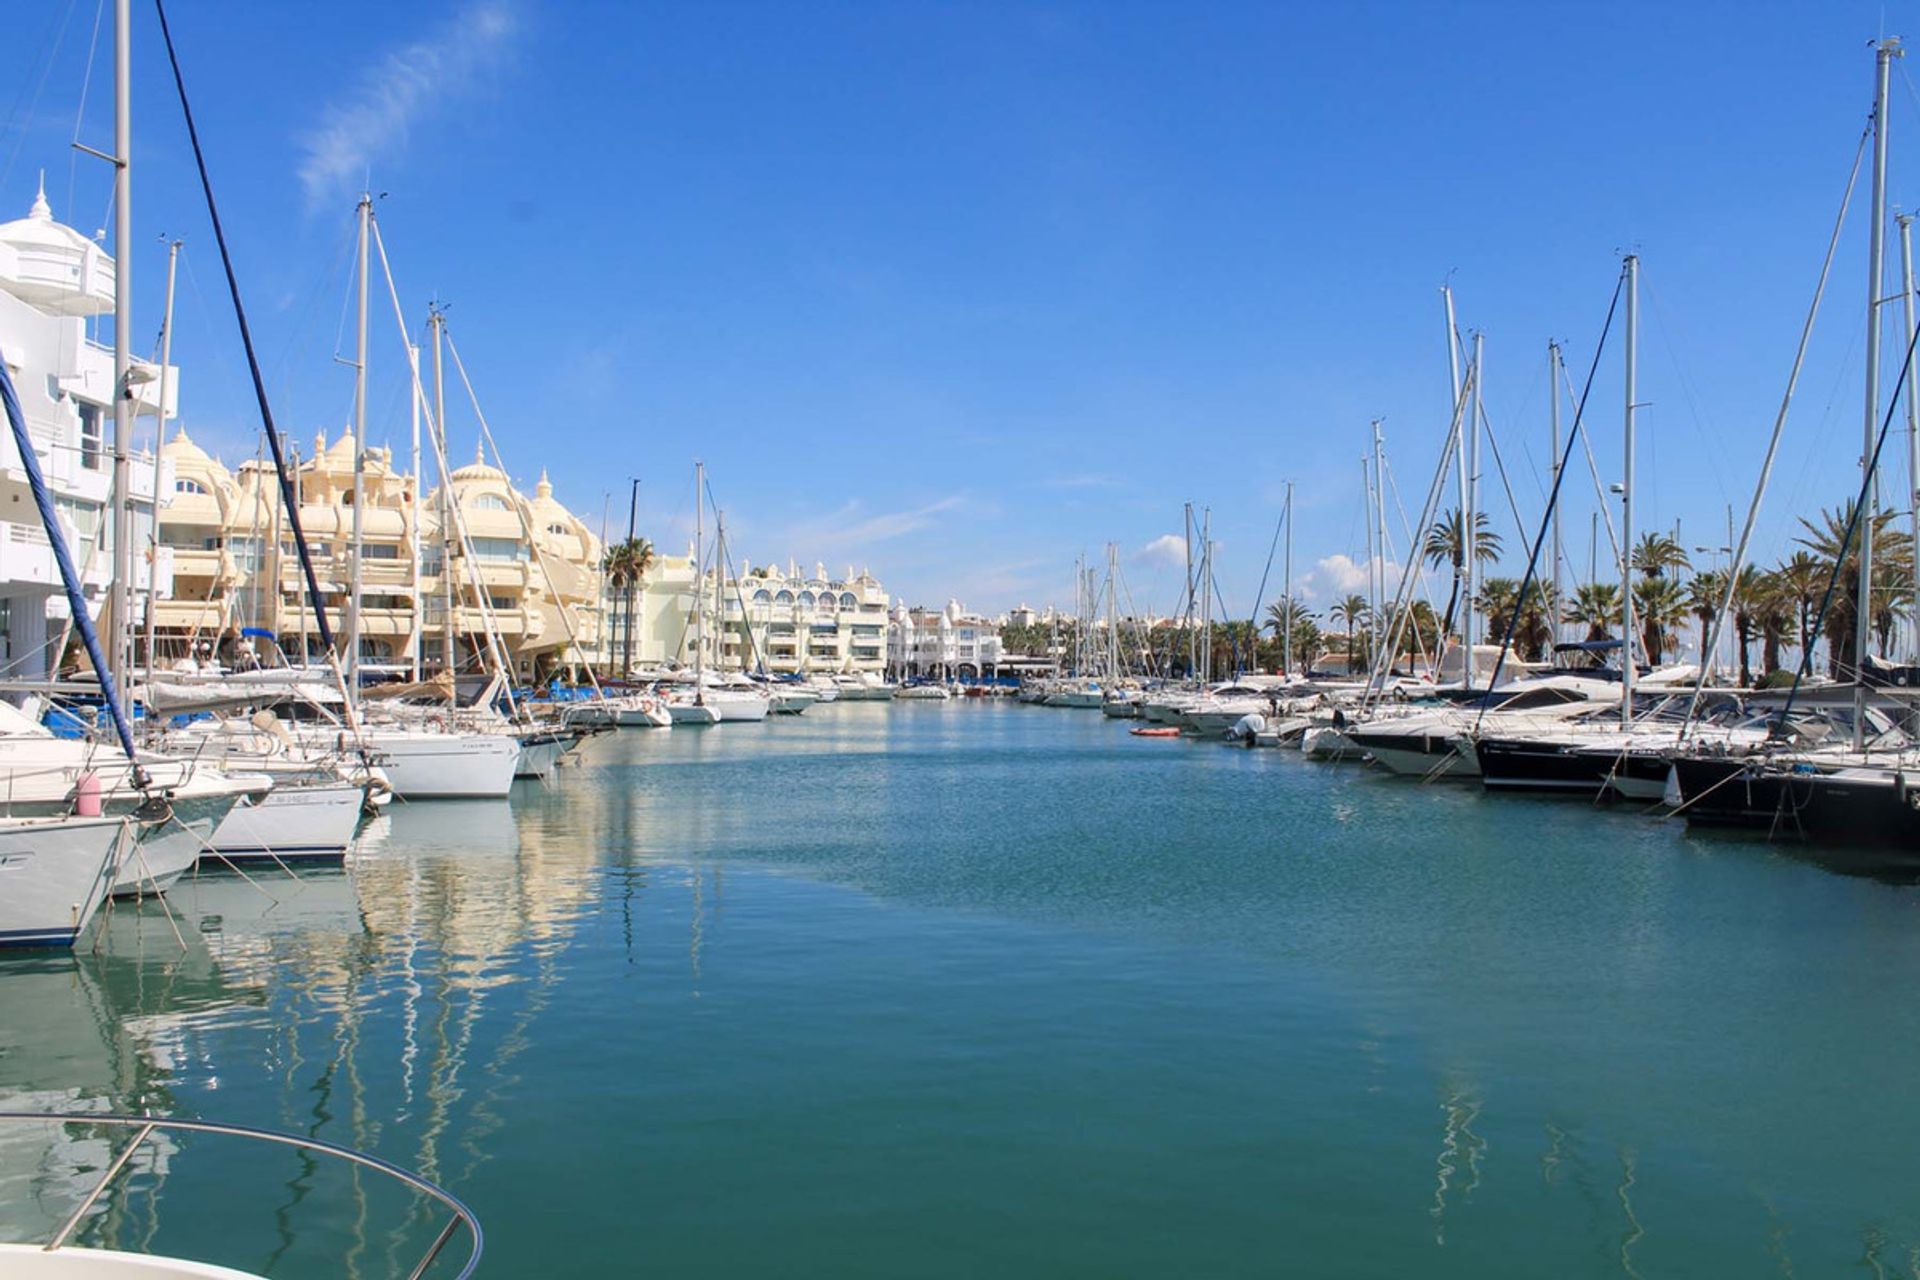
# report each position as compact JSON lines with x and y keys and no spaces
{"x":1286,"y":589}
{"x":1187,"y":607}
{"x":1206,"y":594}
{"x":699,"y":583}
{"x":159,"y":440}
{"x":1460,"y":467}
{"x":299,"y":500}
{"x":365,"y":213}
{"x":1913,"y":411}
{"x":450,"y":635}
{"x":413,"y":512}
{"x":1876,"y":253}
{"x":1553,"y":401}
{"x":118,"y":653}
{"x":1470,"y":513}
{"x":1373,"y":587}
{"x":720,"y":589}
{"x":1113,"y":612}
{"x":626,"y":641}
{"x":1627,"y":627}
{"x":1380,"y":541}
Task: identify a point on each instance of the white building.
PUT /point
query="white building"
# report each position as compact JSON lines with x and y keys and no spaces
{"x":785,"y":620}
{"x":943,"y":642}
{"x":54,"y":281}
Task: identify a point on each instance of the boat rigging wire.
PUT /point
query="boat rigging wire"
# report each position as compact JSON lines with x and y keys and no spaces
{"x":1863,"y":610}
{"x":1773,"y":449}
{"x":1553,"y":498}
{"x":246,"y":338}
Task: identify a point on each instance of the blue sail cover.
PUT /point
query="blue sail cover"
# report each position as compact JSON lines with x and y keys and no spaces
{"x":76,"y":601}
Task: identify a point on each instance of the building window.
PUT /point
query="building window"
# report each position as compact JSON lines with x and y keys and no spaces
{"x":846,"y":600}
{"x":248,"y":553}
{"x":785,"y":597}
{"x":498,"y":549}
{"x":379,"y":551}
{"x":490,"y":502}
{"x":507,"y":603}
{"x":189,"y":486}
{"x":558,"y":530}
{"x":90,"y":442}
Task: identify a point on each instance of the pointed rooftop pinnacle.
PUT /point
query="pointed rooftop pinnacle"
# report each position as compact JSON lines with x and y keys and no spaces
{"x":479,"y":454}
{"x":41,"y":211}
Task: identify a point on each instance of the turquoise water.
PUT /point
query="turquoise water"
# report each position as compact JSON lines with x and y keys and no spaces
{"x":956,"y":989}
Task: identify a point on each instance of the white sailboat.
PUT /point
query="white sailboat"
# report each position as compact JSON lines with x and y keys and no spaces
{"x":55,"y":873}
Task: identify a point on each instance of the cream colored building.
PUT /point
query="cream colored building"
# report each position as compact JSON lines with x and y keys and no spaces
{"x":784,"y":620}
{"x":524,"y":567}
{"x":787,"y":621}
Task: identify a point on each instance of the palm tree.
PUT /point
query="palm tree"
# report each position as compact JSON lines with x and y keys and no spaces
{"x":1351,"y":611}
{"x":1497,"y":601}
{"x":1802,"y":579}
{"x":1773,"y":613}
{"x":1703,"y":600}
{"x":1658,"y":604}
{"x":1753,"y":598}
{"x":1288,"y":617}
{"x":1533,"y":634}
{"x":1596,"y":606}
{"x":1656,"y":553}
{"x":1446,"y":545}
{"x":1893,"y":563}
{"x":626,"y":565}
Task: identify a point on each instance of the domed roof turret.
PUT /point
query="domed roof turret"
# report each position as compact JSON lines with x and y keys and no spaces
{"x":52,"y":266}
{"x":479,"y":469}
{"x":182,"y":449}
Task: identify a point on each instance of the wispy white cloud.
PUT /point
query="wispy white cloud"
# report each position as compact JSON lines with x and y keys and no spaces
{"x":398,"y":92}
{"x":852,"y":527}
{"x":1340,"y":575}
{"x":1085,"y":480}
{"x":1165,"y":551}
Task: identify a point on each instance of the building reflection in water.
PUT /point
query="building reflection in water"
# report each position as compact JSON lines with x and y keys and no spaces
{"x":350,"y":1006}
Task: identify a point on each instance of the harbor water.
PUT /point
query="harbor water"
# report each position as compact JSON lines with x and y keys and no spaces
{"x":953,"y":989}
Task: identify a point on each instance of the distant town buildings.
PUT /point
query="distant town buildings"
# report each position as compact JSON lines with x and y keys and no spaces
{"x":943,"y":642}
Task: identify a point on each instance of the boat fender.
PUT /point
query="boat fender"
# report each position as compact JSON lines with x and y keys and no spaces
{"x":86,"y":795}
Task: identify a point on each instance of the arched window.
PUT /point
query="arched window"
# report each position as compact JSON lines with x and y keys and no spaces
{"x":806,"y":599}
{"x":490,"y":502}
{"x":826,"y":600}
{"x":785,"y":597}
{"x":189,"y":486}
{"x":846,"y":600}
{"x":763,"y":596}
{"x":559,"y":530}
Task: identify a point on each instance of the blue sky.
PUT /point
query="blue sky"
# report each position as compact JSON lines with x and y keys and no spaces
{"x":958,"y":291}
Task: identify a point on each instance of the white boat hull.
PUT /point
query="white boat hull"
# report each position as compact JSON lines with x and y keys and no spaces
{"x":448,"y":766}
{"x":54,"y":874}
{"x":540,"y":757}
{"x":31,"y":1262}
{"x":692,"y":713}
{"x":291,"y":824}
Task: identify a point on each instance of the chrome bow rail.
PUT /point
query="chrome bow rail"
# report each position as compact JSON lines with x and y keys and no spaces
{"x":145,"y":1126}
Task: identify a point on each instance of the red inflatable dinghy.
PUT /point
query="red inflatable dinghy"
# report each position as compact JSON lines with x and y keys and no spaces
{"x":1158,"y":731}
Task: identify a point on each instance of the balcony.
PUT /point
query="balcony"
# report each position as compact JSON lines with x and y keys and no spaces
{"x":26,"y":555}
